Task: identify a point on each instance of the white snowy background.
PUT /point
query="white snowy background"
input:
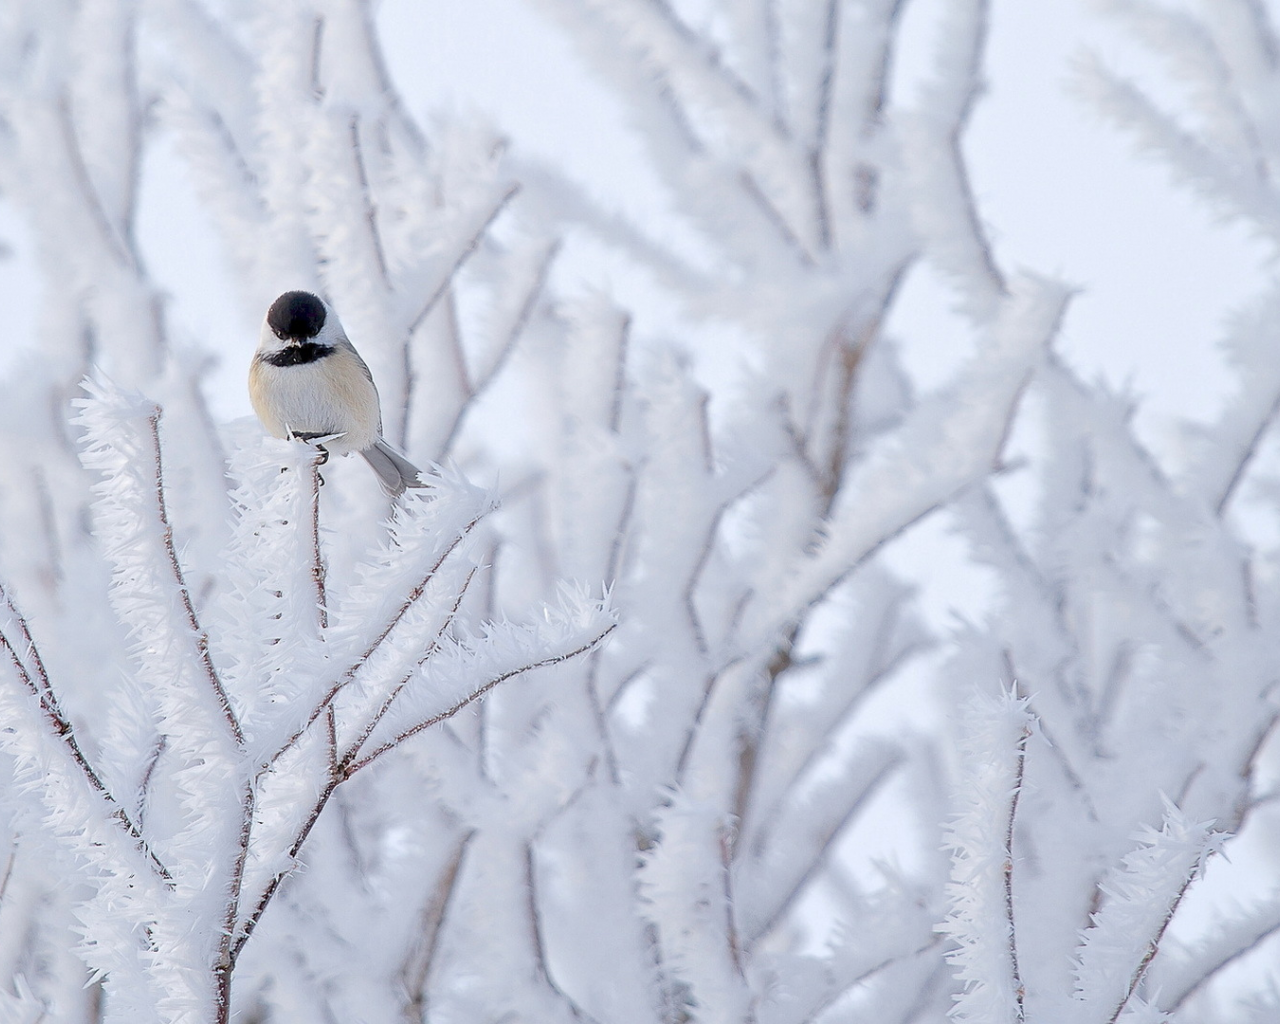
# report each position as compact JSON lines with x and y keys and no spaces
{"x":950,"y":693}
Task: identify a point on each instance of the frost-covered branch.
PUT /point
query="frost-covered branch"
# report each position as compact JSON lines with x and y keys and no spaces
{"x":982,"y":919}
{"x":18,"y":646}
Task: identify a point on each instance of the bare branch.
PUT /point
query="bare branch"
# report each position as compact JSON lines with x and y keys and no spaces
{"x":1019,"y":990}
{"x":818,"y":154}
{"x":8,"y":870}
{"x":774,"y":216}
{"x":370,"y":206}
{"x":224,"y":965}
{"x":349,"y":675}
{"x":386,"y":705}
{"x":485,"y":379}
{"x":471,"y":698}
{"x":1189,"y":982}
{"x":416,"y":972}
{"x":41,"y":688}
{"x":198,"y":635}
{"x":837,"y":992}
{"x":539,"y":945}
{"x":472,"y":244}
{"x":317,"y":559}
{"x":112,"y":237}
{"x":822,"y":846}
{"x":1153,"y":947}
{"x":343,"y":772}
{"x":144,"y":785}
{"x":1241,"y":463}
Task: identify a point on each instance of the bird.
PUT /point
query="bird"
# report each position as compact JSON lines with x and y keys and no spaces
{"x":307,"y":382}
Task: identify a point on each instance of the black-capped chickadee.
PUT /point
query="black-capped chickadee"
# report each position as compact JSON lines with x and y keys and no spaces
{"x":307,"y":381}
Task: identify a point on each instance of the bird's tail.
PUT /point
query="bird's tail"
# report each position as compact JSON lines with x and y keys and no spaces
{"x":395,"y":472}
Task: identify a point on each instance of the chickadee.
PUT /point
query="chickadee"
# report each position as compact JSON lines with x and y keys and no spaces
{"x":307,"y":381}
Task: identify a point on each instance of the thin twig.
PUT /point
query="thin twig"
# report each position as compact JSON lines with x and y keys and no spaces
{"x":345,"y":772}
{"x":1189,"y":987}
{"x":111,"y":235}
{"x":523,"y":315}
{"x":1019,"y":990}
{"x":699,"y":51}
{"x":417,"y":975}
{"x":391,"y":697}
{"x":773,"y":56}
{"x":539,"y":945}
{"x":1245,"y":457}
{"x":1153,"y":947}
{"x":823,"y":844}
{"x":752,"y":742}
{"x":49,"y":521}
{"x":834,"y":995}
{"x":349,"y":675}
{"x":370,"y":206}
{"x":710,"y":537}
{"x":472,"y":244}
{"x":774,"y":216}
{"x":317,"y":559}
{"x":317,"y":50}
{"x":817,"y":155}
{"x":225,"y":964}
{"x":375,"y":58}
{"x":41,"y":688}
{"x":620,"y":374}
{"x":250,"y":923}
{"x":725,"y":840}
{"x":959,"y":165}
{"x":144,"y":787}
{"x":200,"y":637}
{"x":8,"y":871}
{"x":824,"y":744}
{"x":695,"y":726}
{"x":852,"y":352}
{"x":471,"y":698}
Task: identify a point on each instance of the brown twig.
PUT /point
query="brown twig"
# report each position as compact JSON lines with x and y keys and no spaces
{"x":1019,"y":990}
{"x":823,"y":844}
{"x":317,"y":559}
{"x":42,"y":689}
{"x":1153,"y":947}
{"x":517,"y":328}
{"x":198,"y":635}
{"x":818,"y":152}
{"x":370,"y":206}
{"x":8,"y":871}
{"x":391,"y":697}
{"x":539,"y":944}
{"x":112,"y":237}
{"x":224,"y":965}
{"x":144,"y":786}
{"x":353,"y":669}
{"x":416,"y":972}
{"x":473,"y":243}
{"x":471,"y":698}
{"x":342,"y":773}
{"x":843,"y":987}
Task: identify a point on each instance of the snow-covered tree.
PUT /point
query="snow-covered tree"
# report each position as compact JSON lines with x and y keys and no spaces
{"x":249,"y":773}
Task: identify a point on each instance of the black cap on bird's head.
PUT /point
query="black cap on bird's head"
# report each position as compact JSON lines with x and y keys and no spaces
{"x":296,"y":316}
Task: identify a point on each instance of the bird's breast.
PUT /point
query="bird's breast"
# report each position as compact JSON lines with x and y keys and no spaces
{"x":327,"y":395}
